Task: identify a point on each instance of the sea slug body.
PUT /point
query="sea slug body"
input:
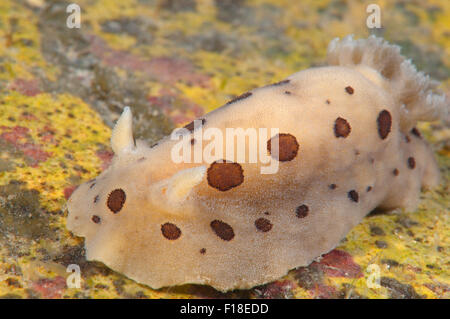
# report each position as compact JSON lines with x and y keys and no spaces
{"x":347,"y":144}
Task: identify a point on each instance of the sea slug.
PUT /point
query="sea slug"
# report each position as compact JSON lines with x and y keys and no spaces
{"x":347,"y":143}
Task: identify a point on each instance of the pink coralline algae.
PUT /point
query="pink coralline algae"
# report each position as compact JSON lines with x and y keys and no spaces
{"x":50,"y":288}
{"x":164,"y":69}
{"x":26,"y":87}
{"x":339,"y":263}
{"x":19,"y":137}
{"x":105,"y":156}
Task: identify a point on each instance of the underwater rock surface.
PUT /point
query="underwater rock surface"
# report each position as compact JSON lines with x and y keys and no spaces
{"x":62,"y":89}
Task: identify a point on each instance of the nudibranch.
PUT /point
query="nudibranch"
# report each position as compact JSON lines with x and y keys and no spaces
{"x":347,"y":143}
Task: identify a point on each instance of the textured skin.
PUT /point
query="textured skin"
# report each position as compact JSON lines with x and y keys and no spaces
{"x":366,"y":157}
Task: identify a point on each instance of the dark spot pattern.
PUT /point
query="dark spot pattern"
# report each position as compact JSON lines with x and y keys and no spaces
{"x":353,"y":195}
{"x":224,"y":175}
{"x":287,"y":92}
{"x":170,"y":231}
{"x":203,"y":251}
{"x":390,"y":262}
{"x":240,"y":97}
{"x":398,"y":290}
{"x":407,"y":139}
{"x":369,"y":188}
{"x":384,"y":122}
{"x":376,"y":231}
{"x":263,"y":224}
{"x":281,"y":82}
{"x":193,"y":141}
{"x":191,"y":126}
{"x":416,"y":132}
{"x":395,"y":172}
{"x":332,"y":186}
{"x":288,"y":146}
{"x":116,"y":200}
{"x":96,"y":219}
{"x":327,"y":101}
{"x":349,"y":90}
{"x":302,"y":211}
{"x":92,"y":185}
{"x":341,"y":127}
{"x":381,"y":244}
{"x":411,"y":162}
{"x":96,"y":198}
{"x":222,"y":230}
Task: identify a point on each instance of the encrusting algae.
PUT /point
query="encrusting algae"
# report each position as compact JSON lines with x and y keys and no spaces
{"x":61,"y":90}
